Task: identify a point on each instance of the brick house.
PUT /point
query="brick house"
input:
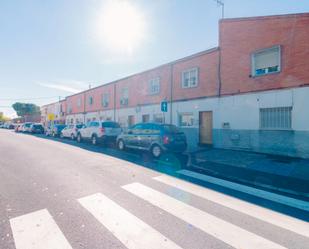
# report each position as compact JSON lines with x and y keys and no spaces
{"x":248,"y":93}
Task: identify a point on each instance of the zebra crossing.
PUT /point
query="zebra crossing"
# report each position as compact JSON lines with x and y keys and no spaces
{"x":39,"y":230}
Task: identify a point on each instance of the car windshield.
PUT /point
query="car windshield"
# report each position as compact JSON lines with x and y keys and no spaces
{"x":110,"y":125}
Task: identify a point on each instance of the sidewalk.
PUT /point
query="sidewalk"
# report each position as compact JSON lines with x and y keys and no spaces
{"x":284,"y":174}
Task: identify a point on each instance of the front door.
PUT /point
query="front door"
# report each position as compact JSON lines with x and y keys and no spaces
{"x":205,"y":127}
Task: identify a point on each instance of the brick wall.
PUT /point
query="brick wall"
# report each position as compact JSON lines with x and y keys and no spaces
{"x":240,"y":37}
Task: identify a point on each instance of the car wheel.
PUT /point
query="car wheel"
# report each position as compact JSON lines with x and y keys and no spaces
{"x":156,"y":151}
{"x":121,"y":145}
{"x":72,"y":136}
{"x":79,"y":138}
{"x":61,"y":135}
{"x":94,"y":140}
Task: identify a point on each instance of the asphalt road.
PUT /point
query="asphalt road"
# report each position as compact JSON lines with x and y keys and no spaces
{"x":59,"y":194}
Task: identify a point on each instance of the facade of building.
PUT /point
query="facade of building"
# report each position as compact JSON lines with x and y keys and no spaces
{"x":250,"y":92}
{"x":53,"y":113}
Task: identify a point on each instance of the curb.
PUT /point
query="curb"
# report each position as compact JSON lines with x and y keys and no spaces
{"x":191,"y":165}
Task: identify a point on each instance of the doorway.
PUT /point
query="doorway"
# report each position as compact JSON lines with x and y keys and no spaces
{"x":205,"y":128}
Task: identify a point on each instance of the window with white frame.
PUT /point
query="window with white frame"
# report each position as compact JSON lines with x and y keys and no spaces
{"x":79,"y":102}
{"x":154,"y":86}
{"x":266,"y":61}
{"x":124,"y":100}
{"x":105,"y":99}
{"x":90,"y":100}
{"x":158,"y":118}
{"x":190,"y":78}
{"x":276,"y":118}
{"x":186,"y":119}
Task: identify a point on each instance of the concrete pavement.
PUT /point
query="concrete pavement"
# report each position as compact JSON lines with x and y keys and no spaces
{"x":58,"y":194}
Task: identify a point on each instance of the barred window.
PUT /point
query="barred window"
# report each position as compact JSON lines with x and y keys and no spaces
{"x":278,"y":118}
{"x":186,"y":119}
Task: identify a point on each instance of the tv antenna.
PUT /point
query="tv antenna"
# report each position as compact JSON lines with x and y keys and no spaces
{"x":220,"y":3}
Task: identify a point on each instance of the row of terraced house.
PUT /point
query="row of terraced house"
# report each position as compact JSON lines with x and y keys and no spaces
{"x":250,"y":93}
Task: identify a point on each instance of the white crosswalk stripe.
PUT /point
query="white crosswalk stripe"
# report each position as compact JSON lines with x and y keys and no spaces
{"x":130,"y":230}
{"x":281,"y":220}
{"x":218,"y":228}
{"x":303,"y":205}
{"x":37,"y":230}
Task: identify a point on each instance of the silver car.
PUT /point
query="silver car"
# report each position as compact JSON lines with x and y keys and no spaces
{"x":71,"y":131}
{"x":99,"y":132}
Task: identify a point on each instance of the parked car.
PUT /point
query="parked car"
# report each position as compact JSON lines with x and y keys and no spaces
{"x":55,"y":131}
{"x":99,"y":132}
{"x":18,"y":127}
{"x":153,"y":137}
{"x":37,"y":128}
{"x":26,"y":127}
{"x":71,"y":131}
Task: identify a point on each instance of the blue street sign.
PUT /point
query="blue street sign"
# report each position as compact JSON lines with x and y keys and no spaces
{"x":164,"y":106}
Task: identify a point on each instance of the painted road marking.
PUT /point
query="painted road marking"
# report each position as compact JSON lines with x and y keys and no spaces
{"x":130,"y":230}
{"x":249,"y":190}
{"x":218,"y":228}
{"x":264,"y":214}
{"x":37,"y":230}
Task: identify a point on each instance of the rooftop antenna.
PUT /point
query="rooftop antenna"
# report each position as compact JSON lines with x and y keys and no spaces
{"x":221,"y":3}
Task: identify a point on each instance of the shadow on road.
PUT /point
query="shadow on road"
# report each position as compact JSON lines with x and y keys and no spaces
{"x":169,"y":164}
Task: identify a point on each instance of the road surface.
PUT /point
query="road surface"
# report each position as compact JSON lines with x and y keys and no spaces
{"x":57,"y":194}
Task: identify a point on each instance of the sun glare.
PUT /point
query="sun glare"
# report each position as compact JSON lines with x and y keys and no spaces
{"x":121,"y":26}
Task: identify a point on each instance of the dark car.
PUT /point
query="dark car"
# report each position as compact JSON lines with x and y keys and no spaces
{"x":37,"y":129}
{"x":153,"y":137}
{"x":56,"y":130}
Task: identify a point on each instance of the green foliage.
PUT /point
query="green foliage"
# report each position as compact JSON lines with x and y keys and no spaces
{"x":3,"y":118}
{"x":23,"y":109}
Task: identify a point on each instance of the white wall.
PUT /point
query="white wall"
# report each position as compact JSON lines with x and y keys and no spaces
{"x":240,"y":111}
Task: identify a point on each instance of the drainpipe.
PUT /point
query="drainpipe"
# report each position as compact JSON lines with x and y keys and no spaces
{"x":84,"y":107}
{"x":171,"y":94}
{"x":219,"y":73}
{"x":114,"y":102}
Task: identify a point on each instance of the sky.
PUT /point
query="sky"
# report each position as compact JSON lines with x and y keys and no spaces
{"x":52,"y":49}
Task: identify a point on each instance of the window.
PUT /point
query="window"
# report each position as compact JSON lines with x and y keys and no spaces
{"x":131,"y":120}
{"x":266,"y":61}
{"x":190,"y":78}
{"x":145,"y":118}
{"x":158,"y":118}
{"x":79,"y":102}
{"x":90,"y":100}
{"x":105,"y":99}
{"x":186,"y":119}
{"x":154,"y":86}
{"x":122,"y":121}
{"x":124,"y":100}
{"x":69,"y":108}
{"x":278,"y":118}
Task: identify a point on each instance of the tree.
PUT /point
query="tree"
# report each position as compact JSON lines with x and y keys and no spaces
{"x":25,"y":109}
{"x":3,"y":118}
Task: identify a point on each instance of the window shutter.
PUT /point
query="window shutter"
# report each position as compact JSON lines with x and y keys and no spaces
{"x":266,"y":59}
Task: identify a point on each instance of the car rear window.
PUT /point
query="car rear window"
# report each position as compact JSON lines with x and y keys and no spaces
{"x":171,"y":129}
{"x":37,"y":126}
{"x":110,"y":125}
